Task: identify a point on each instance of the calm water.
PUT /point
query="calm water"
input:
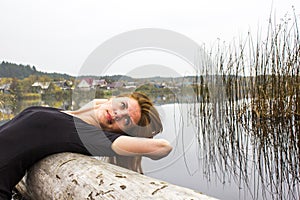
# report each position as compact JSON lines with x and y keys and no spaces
{"x":225,"y":156}
{"x":186,"y":166}
{"x":224,"y":159}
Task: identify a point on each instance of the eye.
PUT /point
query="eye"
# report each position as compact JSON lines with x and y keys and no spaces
{"x":127,"y":121}
{"x":123,"y":105}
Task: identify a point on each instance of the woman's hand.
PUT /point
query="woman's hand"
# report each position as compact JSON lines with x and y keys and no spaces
{"x":133,"y":146}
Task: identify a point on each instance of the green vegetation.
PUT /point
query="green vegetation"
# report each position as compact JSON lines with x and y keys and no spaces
{"x":11,"y":70}
{"x":6,"y":101}
{"x":153,"y":91}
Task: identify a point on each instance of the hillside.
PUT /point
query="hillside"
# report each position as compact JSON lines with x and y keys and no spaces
{"x":10,"y":70}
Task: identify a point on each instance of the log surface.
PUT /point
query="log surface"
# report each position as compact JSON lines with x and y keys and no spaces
{"x":77,"y":177}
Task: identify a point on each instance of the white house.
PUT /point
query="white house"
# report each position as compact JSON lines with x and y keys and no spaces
{"x":99,"y":83}
{"x":42,"y":85}
{"x":85,"y":83}
{"x":88,"y":83}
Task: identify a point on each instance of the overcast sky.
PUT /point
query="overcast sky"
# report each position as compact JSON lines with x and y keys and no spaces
{"x":59,"y":35}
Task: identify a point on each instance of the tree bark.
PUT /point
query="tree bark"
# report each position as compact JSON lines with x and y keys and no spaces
{"x":75,"y":176}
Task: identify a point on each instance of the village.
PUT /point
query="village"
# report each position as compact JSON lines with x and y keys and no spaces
{"x":9,"y":85}
{"x":17,"y":94}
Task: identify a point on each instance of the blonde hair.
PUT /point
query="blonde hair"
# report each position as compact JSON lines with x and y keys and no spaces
{"x":148,"y":126}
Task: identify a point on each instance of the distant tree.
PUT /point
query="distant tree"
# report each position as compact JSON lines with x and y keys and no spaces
{"x":22,"y":71}
{"x":14,"y":86}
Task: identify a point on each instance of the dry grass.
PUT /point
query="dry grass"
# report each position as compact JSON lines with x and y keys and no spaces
{"x":247,"y":115}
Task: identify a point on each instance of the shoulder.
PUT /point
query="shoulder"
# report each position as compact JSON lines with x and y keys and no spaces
{"x":40,"y":113}
{"x":33,"y":110}
{"x":39,"y":109}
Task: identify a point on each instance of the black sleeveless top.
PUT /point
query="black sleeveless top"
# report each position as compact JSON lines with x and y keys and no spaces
{"x":41,"y":131}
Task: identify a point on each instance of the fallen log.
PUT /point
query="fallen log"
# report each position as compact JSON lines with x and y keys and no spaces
{"x":75,"y":176}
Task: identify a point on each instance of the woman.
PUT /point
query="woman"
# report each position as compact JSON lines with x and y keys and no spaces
{"x":102,"y":128}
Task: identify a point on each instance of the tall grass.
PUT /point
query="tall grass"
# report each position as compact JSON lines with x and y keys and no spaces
{"x":248,"y":117}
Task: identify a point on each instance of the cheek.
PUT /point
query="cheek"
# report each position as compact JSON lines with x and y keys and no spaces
{"x":118,"y":125}
{"x":114,"y":106}
{"x":106,"y":106}
{"x":136,"y":116}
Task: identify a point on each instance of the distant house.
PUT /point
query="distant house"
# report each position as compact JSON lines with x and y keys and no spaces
{"x":115,"y":85}
{"x":99,"y":83}
{"x":85,"y":83}
{"x":130,"y":85}
{"x":64,"y":85}
{"x":161,"y":85}
{"x":40,"y":86}
{"x":88,"y":83}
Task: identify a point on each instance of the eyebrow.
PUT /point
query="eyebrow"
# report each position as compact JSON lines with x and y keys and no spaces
{"x":126,"y":104}
{"x":132,"y":122}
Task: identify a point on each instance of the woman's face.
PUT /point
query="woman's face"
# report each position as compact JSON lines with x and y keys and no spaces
{"x":119,"y":114}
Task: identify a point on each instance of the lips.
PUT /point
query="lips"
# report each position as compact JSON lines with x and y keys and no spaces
{"x":108,"y":117}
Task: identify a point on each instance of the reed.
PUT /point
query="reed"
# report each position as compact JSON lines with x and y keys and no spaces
{"x":247,"y":118}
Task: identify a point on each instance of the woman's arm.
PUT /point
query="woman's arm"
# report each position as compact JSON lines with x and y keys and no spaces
{"x":133,"y":146}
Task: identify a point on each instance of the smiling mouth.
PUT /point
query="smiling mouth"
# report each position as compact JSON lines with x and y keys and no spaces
{"x":109,"y":117}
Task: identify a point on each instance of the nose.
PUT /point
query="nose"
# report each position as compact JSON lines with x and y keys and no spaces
{"x":119,"y":114}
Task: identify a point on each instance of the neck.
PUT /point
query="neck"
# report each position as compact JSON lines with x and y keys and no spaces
{"x":87,"y":112}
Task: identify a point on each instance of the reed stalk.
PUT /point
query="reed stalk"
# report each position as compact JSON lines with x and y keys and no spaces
{"x":248,"y":118}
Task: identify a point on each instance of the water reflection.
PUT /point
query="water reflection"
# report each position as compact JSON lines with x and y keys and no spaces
{"x":276,"y":151}
{"x":261,"y":154}
{"x":229,"y":155}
